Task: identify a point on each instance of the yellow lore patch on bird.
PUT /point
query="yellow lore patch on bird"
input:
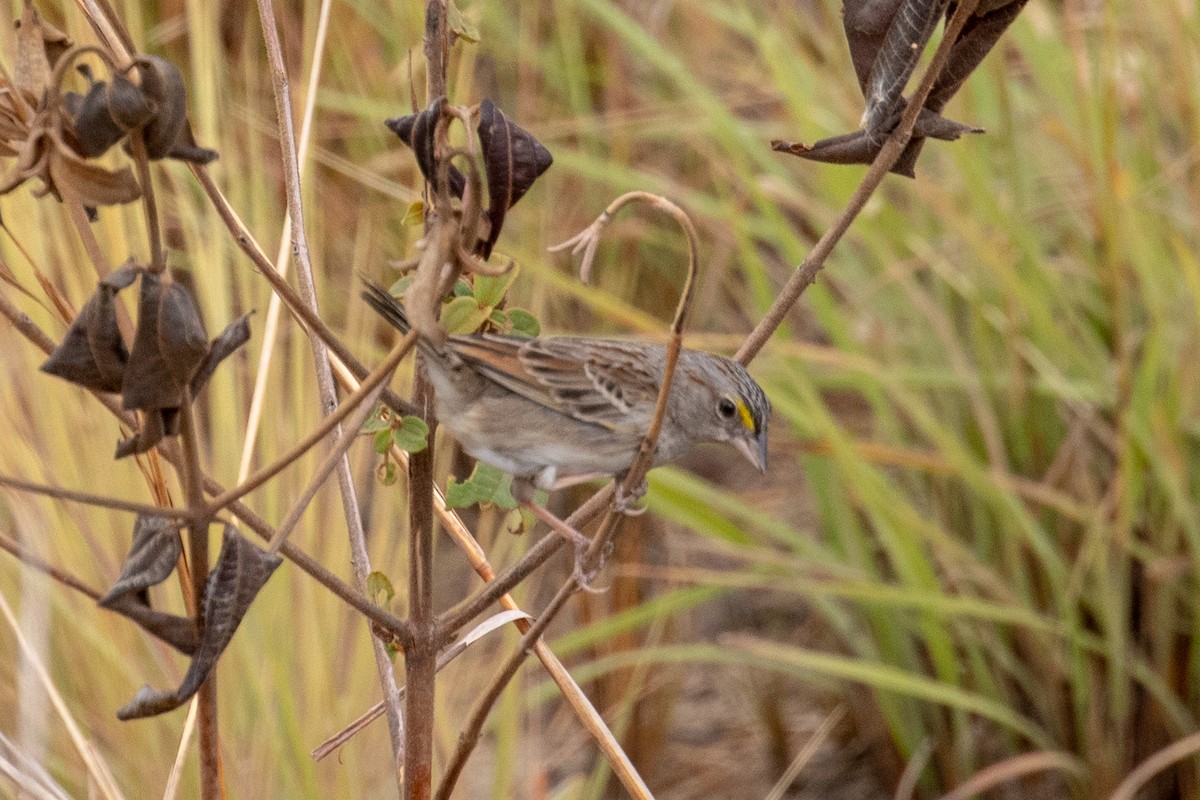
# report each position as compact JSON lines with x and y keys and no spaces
{"x":747,"y":417}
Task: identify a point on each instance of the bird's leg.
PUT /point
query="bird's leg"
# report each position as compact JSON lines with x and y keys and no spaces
{"x":625,"y":502}
{"x":582,"y":577}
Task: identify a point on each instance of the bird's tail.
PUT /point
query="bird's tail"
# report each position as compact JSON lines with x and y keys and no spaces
{"x":385,"y":305}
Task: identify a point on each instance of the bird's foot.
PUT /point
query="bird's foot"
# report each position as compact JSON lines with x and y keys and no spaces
{"x":582,"y":575}
{"x":625,"y":502}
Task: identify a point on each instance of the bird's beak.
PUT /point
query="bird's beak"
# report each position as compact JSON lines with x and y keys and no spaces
{"x":755,"y":450}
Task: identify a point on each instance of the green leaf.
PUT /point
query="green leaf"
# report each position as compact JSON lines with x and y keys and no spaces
{"x":523,"y":323}
{"x":486,"y":486}
{"x":462,"y":26}
{"x":412,"y":434}
{"x":379,"y":584}
{"x":463,"y":315}
{"x":462,"y":288}
{"x":383,"y":440}
{"x":377,"y":421}
{"x":386,"y":473}
{"x":489,"y":290}
{"x":500,"y":319}
{"x":401,"y":285}
{"x":414,"y":214}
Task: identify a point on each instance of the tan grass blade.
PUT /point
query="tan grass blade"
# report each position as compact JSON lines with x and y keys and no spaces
{"x":282,"y":262}
{"x":97,"y":768}
{"x":1176,"y":751}
{"x":806,"y":753}
{"x":1013,"y":768}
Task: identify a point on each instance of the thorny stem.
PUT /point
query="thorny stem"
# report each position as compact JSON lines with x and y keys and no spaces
{"x":324,"y":370}
{"x":806,"y":273}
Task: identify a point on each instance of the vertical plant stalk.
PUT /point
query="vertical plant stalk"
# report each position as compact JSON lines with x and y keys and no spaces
{"x":420,"y":660}
{"x":324,"y":371}
{"x":193,"y":487}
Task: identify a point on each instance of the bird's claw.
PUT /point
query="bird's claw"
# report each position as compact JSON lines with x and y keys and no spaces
{"x":625,"y":502}
{"x":584,"y":577}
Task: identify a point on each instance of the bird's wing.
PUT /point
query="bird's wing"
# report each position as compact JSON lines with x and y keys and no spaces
{"x":595,"y":381}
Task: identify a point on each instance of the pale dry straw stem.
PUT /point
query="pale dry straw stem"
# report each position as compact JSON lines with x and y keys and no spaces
{"x":101,"y":777}
{"x":1017,"y":767}
{"x":806,"y":753}
{"x":282,"y":262}
{"x":1172,"y":753}
{"x":175,"y":776}
{"x":359,"y":559}
{"x":913,"y":769}
{"x":806,"y":273}
{"x":106,"y":30}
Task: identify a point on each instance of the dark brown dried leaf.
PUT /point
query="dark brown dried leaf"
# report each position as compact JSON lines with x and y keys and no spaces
{"x":168,"y":346}
{"x":513,"y":159}
{"x":107,"y":113}
{"x":236,"y":334}
{"x":93,"y":354}
{"x":417,"y":131}
{"x":154,"y":428}
{"x":859,"y":148}
{"x":902,"y":46}
{"x":152,"y":558}
{"x":866,"y":23}
{"x":241,"y":571}
{"x":162,"y":84}
{"x":94,"y":185}
{"x":977,"y":39}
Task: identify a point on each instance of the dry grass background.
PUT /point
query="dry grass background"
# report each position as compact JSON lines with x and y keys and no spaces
{"x":980,"y":535}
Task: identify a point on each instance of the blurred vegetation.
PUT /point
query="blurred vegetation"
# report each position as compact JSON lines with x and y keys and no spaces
{"x":981,"y":523}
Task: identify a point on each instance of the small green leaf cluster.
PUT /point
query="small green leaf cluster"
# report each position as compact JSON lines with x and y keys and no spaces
{"x":409,"y":433}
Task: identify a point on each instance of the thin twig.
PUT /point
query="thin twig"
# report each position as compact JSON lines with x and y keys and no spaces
{"x":158,"y":259}
{"x":312,"y":324}
{"x":332,"y":459}
{"x":31,"y":559}
{"x":113,"y":503}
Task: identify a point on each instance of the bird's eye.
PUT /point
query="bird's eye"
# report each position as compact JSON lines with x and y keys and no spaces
{"x":726,"y":408}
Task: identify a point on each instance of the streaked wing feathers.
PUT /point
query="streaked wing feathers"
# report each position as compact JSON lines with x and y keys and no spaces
{"x":593,"y":381}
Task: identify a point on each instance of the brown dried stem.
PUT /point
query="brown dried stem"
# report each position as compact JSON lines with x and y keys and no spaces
{"x":113,"y":503}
